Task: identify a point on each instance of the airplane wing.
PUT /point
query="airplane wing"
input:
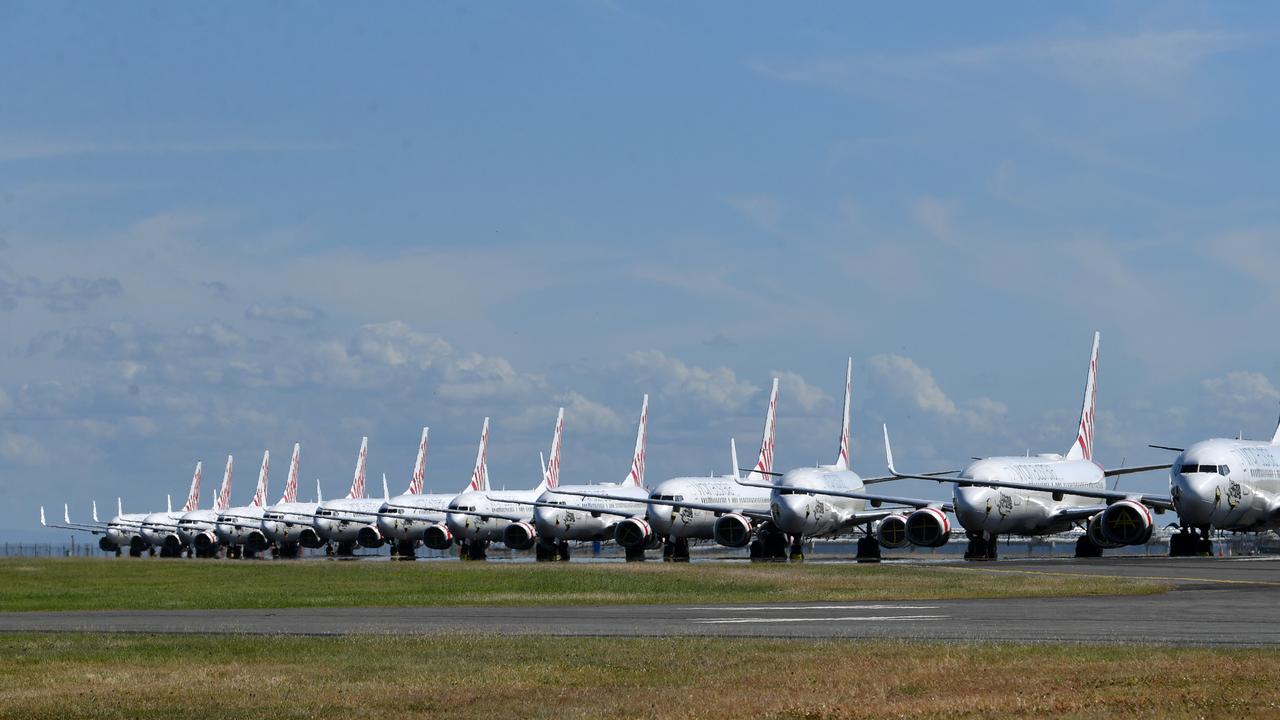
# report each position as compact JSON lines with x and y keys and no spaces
{"x":719,"y":509}
{"x":96,"y":530}
{"x":1075,"y":514}
{"x":1135,"y":469}
{"x":576,"y":508}
{"x":877,"y":499}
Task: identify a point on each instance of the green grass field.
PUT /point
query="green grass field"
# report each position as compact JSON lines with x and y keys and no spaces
{"x":468,"y":676}
{"x":88,"y":584}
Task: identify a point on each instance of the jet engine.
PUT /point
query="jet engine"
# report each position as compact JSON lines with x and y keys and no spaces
{"x":370,"y":537}
{"x":137,"y":544}
{"x":172,"y":544}
{"x":437,"y":537}
{"x":1127,"y":523}
{"x":732,"y":530}
{"x":928,"y":527}
{"x":633,"y":533}
{"x":205,"y":542}
{"x":1098,"y":535}
{"x":309,"y":538}
{"x":105,"y":545}
{"x":257,"y":541}
{"x":892,"y":532}
{"x":520,"y":535}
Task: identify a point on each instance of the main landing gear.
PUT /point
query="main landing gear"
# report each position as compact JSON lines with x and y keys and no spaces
{"x":1087,"y":548}
{"x":1191,"y":541}
{"x":868,"y":548}
{"x":983,"y":548}
{"x":635,"y":554}
{"x":770,"y":544}
{"x":676,"y":550}
{"x":797,"y":548}
{"x":403,"y":550}
{"x":474,"y":550}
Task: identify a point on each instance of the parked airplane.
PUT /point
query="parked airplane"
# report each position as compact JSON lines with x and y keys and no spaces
{"x":827,"y":500}
{"x":372,"y":535}
{"x":406,"y":519}
{"x":198,"y":528}
{"x":276,"y":524}
{"x":339,"y":521}
{"x":1046,"y":494}
{"x":479,"y":517}
{"x":559,"y":517}
{"x":685,"y":508}
{"x":1224,"y":484}
{"x":160,"y":530}
{"x":240,"y":528}
{"x":118,"y":533}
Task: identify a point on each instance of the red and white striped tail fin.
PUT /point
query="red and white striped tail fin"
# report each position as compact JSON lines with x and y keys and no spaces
{"x":551,"y":475}
{"x":223,"y":500}
{"x":842,"y":460}
{"x":1083,"y":447}
{"x":357,"y":482}
{"x":291,"y":483}
{"x":418,"y":481}
{"x":764,"y":464}
{"x":193,"y":495}
{"x":260,"y":493}
{"x":480,"y":475}
{"x":636,"y":476}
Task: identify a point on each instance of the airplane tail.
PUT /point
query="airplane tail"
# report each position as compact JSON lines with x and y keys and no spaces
{"x":291,"y":483}
{"x":480,"y":475}
{"x":764,"y":465}
{"x":636,"y":476}
{"x":193,"y":495}
{"x":842,"y":460}
{"x":357,"y":481}
{"x":551,"y":476}
{"x":418,"y":483}
{"x":223,"y":500}
{"x":1083,"y":447}
{"x":260,"y":493}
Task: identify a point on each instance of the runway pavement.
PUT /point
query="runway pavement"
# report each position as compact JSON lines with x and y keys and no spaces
{"x":1214,"y":602}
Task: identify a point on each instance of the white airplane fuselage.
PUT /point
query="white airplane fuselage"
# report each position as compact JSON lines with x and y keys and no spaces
{"x":799,"y":513}
{"x":288,"y":523}
{"x":997,"y":511}
{"x":473,"y":528}
{"x":689,"y":523}
{"x":195,"y":522}
{"x":335,"y":522}
{"x":397,"y":528}
{"x":1228,"y":485}
{"x":158,"y":526}
{"x":122,"y":529}
{"x":555,"y":524}
{"x":236,"y":524}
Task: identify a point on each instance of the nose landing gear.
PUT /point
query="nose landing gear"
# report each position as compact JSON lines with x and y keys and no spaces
{"x":1190,"y":541}
{"x":980,"y":547}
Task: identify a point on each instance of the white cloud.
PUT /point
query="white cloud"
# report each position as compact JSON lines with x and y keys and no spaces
{"x":1240,"y":393}
{"x":288,"y":312}
{"x":715,"y":391}
{"x":795,"y":391}
{"x":764,"y":211}
{"x":934,"y":215}
{"x":916,"y":385}
{"x":22,"y":449}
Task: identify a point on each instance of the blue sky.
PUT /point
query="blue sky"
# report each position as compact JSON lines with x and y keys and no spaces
{"x":233,"y":227}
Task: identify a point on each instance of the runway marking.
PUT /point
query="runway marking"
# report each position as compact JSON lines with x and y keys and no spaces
{"x":874,"y":618}
{"x":1267,"y":583}
{"x":766,"y":608}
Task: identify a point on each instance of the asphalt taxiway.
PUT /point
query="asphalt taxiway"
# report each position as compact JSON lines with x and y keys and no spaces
{"x":1214,"y":601}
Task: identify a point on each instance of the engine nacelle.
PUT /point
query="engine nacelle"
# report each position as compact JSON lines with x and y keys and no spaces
{"x":370,"y":537}
{"x":520,"y":535}
{"x":172,"y":543}
{"x":1126,"y":522}
{"x":437,"y":537}
{"x":732,"y":530}
{"x":892,"y":532}
{"x":634,"y":533}
{"x":257,"y":541}
{"x":137,"y":544}
{"x":928,"y":527}
{"x":309,"y":538}
{"x":105,"y":545}
{"x":205,"y":542}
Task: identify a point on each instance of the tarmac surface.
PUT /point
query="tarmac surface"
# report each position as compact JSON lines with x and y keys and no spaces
{"x":1215,"y":601}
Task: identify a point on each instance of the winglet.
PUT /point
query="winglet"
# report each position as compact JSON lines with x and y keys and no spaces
{"x":480,"y":473}
{"x":260,"y":493}
{"x":168,"y":503}
{"x":842,"y":460}
{"x":733,"y":456}
{"x":1083,"y":447}
{"x":418,"y":481}
{"x":291,"y":482}
{"x":42,"y":522}
{"x":95,"y":511}
{"x":542,"y":462}
{"x":357,"y":481}
{"x":764,"y":464}
{"x":319,"y":495}
{"x":386,"y":494}
{"x":66,"y":514}
{"x":636,"y":475}
{"x":223,"y":500}
{"x":119,"y":506}
{"x":193,"y":495}
{"x":888,"y":451}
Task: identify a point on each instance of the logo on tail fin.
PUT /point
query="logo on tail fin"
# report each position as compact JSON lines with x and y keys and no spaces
{"x":193,"y":497}
{"x":636,"y":476}
{"x":480,"y":475}
{"x":551,"y":478}
{"x":260,"y":494}
{"x":419,"y":467}
{"x":764,"y":464}
{"x":842,"y":460}
{"x":357,"y":482}
{"x":291,"y":484}
{"x":223,"y":501}
{"x":1083,"y":447}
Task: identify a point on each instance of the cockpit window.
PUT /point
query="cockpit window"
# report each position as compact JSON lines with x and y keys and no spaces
{"x":1189,"y":468}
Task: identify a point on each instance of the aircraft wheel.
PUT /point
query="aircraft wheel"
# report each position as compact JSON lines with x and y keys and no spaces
{"x":868,"y":549}
{"x":993,"y":547}
{"x":1086,"y":548}
{"x":635,"y":554}
{"x":681,"y":551}
{"x":542,"y":553}
{"x":757,"y":551}
{"x":797,"y":549}
{"x":563,"y":550}
{"x":407,"y":550}
{"x":668,"y":550}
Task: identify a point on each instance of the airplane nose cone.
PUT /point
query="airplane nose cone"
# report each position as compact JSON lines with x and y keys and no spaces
{"x":791,"y":512}
{"x":659,"y":518}
{"x":1197,"y":497}
{"x":459,"y":525}
{"x":974,"y":504}
{"x":547,"y":520}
